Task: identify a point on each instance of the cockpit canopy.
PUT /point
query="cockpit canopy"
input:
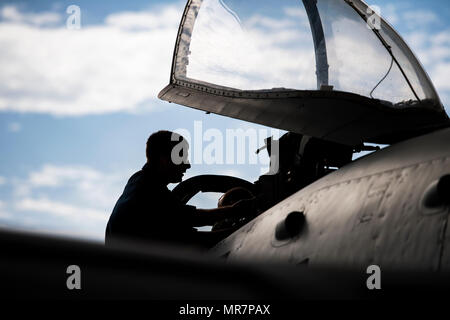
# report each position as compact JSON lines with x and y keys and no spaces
{"x":333,"y":69}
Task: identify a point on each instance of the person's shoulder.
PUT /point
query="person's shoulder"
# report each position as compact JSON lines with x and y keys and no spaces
{"x":146,"y":183}
{"x":136,"y":176}
{"x":139,"y":179}
{"x":135,"y":183}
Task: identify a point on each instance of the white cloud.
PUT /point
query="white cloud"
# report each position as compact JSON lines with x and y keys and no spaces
{"x":71,"y":200}
{"x":434,"y":52}
{"x":419,"y":18}
{"x":3,"y":213}
{"x":389,"y":12}
{"x":85,"y":185}
{"x":401,"y":14}
{"x":122,"y":64}
{"x":296,"y":12}
{"x":168,"y":17}
{"x":58,"y":209}
{"x":10,"y":13}
{"x":67,"y":72}
{"x":440,"y":74}
{"x":117,"y":66}
{"x":14,"y":127}
{"x":426,"y":35}
{"x":54,"y":176}
{"x":2,"y":180}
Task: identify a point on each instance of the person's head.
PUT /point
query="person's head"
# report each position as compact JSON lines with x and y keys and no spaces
{"x":167,"y":152}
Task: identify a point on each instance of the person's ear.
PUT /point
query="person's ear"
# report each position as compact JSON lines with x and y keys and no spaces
{"x":163,"y":162}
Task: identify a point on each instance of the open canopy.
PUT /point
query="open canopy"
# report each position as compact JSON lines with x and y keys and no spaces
{"x":332,"y":69}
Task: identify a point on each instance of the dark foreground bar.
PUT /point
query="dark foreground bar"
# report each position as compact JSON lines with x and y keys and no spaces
{"x":38,"y":267}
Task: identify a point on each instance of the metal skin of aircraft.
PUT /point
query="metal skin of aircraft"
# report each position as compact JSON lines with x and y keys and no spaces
{"x":324,"y":219}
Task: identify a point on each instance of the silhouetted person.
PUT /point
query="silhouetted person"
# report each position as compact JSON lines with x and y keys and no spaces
{"x":148,"y":211}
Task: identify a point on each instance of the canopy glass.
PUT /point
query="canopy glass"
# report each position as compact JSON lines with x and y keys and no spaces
{"x":299,"y":45}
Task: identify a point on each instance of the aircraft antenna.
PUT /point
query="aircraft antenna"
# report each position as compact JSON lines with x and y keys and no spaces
{"x":385,"y":44}
{"x":384,"y":77}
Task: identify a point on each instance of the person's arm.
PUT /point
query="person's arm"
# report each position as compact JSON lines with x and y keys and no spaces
{"x":203,"y":217}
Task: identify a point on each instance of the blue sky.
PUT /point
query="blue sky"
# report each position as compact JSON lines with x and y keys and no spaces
{"x":76,"y":106}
